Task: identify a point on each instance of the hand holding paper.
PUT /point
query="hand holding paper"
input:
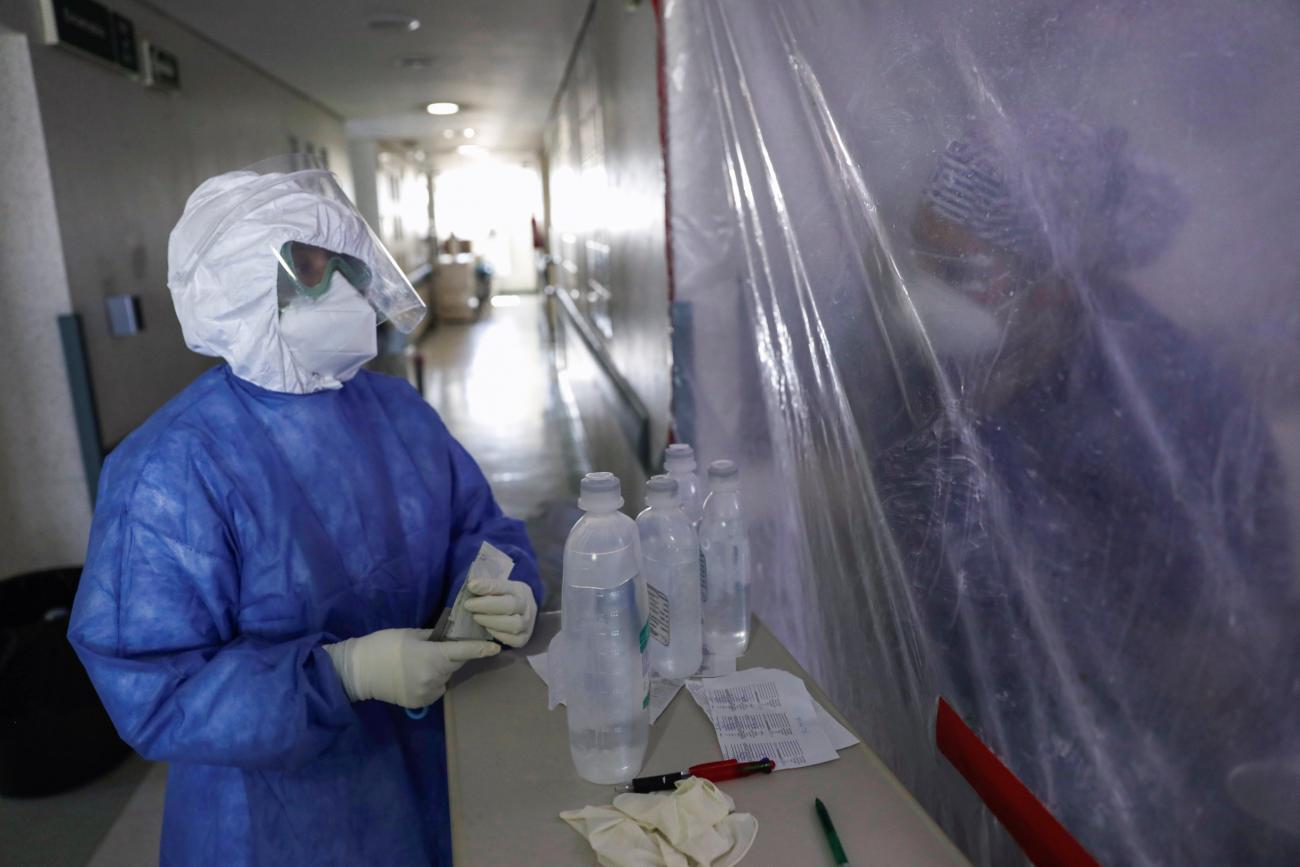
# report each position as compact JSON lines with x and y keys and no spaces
{"x":506,"y":609}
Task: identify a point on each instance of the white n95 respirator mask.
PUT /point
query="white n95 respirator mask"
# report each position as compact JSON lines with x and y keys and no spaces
{"x":330,"y":336}
{"x":958,"y":327}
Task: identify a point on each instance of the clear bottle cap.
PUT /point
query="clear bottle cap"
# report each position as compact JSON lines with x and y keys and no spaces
{"x":679,"y":457}
{"x":661,"y":490}
{"x":600,"y":492}
{"x":724,"y":476}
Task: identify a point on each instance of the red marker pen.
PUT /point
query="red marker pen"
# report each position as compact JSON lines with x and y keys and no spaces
{"x":717,"y":772}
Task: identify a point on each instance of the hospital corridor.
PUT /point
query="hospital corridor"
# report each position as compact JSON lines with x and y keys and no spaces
{"x":649,"y":433}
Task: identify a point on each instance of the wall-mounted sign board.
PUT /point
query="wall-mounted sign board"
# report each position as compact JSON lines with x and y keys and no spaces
{"x":125,"y":318}
{"x":162,"y":69}
{"x":92,"y":29}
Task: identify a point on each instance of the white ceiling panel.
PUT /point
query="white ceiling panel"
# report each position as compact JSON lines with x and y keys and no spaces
{"x":502,"y":60}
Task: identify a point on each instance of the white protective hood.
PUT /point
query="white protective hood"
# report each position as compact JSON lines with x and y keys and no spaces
{"x":222,"y":268}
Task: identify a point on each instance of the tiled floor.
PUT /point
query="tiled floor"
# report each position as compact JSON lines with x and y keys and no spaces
{"x":495,"y":386}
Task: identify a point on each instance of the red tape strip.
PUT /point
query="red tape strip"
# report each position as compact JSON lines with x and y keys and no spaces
{"x":661,"y":76}
{"x":1045,"y":841}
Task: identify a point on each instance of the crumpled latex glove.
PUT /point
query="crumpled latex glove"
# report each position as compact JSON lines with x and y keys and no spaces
{"x":506,"y":609}
{"x":693,"y":826}
{"x":402,"y":666}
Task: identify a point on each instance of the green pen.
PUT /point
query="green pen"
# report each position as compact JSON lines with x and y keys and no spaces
{"x":837,"y":851}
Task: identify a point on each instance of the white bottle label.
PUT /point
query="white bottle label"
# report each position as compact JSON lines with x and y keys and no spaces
{"x":643,"y":607}
{"x":659,"y":616}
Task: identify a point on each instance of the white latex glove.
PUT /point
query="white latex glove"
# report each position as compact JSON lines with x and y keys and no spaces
{"x":402,"y":666}
{"x":506,"y":609}
{"x":694,"y":825}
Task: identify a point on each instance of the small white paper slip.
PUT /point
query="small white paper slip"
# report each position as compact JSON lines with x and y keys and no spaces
{"x":457,"y":624}
{"x":662,"y":692}
{"x":840,"y":737}
{"x":764,"y":713}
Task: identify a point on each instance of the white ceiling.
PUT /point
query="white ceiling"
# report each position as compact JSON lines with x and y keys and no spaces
{"x":502,"y":60}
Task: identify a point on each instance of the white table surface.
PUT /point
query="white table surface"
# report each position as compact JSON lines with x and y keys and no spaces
{"x":510,"y":775}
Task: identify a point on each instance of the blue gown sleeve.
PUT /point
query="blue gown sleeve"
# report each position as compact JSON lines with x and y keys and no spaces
{"x":155,"y":624}
{"x":476,"y":518}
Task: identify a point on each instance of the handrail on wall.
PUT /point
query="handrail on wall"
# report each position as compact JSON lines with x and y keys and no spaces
{"x":626,"y":392}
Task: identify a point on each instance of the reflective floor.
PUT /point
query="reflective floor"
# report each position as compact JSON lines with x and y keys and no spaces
{"x":114,"y":820}
{"x":495,"y":386}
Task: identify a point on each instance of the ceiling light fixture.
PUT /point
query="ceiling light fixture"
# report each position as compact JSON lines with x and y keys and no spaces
{"x":447,"y":133}
{"x":441,"y":108}
{"x":469,"y":132}
{"x":392,"y":22}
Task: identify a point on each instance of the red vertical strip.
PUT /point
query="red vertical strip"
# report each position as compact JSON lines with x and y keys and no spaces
{"x":1043,"y":839}
{"x":661,"y":76}
{"x":661,"y":52}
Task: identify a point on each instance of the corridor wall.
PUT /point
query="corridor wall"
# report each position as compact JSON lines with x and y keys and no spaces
{"x":996,"y":305}
{"x":605,"y":175}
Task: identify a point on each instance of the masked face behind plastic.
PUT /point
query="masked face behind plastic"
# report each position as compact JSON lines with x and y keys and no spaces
{"x":274,"y":270}
{"x":1012,"y":231}
{"x":993,"y":323}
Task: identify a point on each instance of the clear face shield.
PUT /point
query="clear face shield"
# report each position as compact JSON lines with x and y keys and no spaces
{"x":315,"y":236}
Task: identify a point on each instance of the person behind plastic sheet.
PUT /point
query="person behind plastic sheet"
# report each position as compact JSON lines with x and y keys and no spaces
{"x":1094,"y":520}
{"x":267,"y":545}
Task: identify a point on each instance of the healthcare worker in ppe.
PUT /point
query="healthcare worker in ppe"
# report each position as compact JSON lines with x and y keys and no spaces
{"x":268,"y":545}
{"x":1099,"y":498}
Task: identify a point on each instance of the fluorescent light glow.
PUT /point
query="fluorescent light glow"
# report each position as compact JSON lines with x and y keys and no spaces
{"x":505,"y":300}
{"x":442,"y":108}
{"x":393,"y":22}
{"x":488,"y":201}
{"x":472,"y":151}
{"x":469,"y":132}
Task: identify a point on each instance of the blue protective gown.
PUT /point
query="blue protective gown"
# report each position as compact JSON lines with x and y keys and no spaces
{"x":237,"y":531}
{"x":1124,"y":509}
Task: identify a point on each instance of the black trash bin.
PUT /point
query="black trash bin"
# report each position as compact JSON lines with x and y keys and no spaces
{"x":54,"y":732}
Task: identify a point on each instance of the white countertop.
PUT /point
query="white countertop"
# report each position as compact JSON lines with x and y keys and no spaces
{"x":510,"y":774}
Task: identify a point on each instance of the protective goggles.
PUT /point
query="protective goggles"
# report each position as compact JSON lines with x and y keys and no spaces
{"x":963,"y":271}
{"x":306,"y":269}
{"x":974,"y":274}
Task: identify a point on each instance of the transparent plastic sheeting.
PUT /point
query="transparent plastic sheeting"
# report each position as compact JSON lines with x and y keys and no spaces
{"x":997,"y":304}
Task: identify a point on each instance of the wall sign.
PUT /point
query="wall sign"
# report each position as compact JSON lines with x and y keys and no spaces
{"x":125,"y":317}
{"x":94,"y":29}
{"x":163,"y":70}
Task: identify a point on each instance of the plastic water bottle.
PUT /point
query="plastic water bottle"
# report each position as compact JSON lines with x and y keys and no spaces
{"x":679,"y":464}
{"x":726,"y":561}
{"x":605,"y":626}
{"x":670,"y":562}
